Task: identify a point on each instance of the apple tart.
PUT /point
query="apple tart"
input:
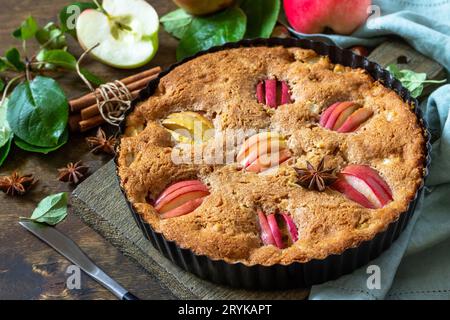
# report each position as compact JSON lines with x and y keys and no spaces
{"x":270,"y":155}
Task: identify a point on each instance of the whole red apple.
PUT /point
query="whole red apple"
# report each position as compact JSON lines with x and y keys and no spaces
{"x":202,"y":7}
{"x":313,"y":16}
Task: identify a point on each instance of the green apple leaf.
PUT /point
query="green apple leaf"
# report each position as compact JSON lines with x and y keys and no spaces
{"x":206,"y":32}
{"x":64,"y":59}
{"x":261,"y":18}
{"x":5,"y":130}
{"x":38,"y":112}
{"x":45,"y":150}
{"x":2,"y":85}
{"x":177,"y":22}
{"x":92,"y":78}
{"x":69,"y":15}
{"x":3,"y":65}
{"x":4,"y":151}
{"x":14,"y":60}
{"x":27,"y":30}
{"x":51,"y":210}
{"x":52,"y":37}
{"x":413,"y":81}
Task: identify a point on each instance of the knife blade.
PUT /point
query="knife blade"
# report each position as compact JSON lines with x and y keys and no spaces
{"x":69,"y":249}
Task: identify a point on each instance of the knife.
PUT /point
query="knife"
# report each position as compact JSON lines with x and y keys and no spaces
{"x":69,"y":249}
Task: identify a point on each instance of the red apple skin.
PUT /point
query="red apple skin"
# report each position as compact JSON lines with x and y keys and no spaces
{"x":344,"y":116}
{"x":186,"y":208}
{"x":271,"y":93}
{"x":195,"y":190}
{"x":260,"y":96}
{"x":174,"y":187}
{"x":292,"y":228}
{"x":203,"y":7}
{"x":327,"y":113}
{"x":266,"y":232}
{"x":313,"y":16}
{"x":336,"y":113}
{"x":351,"y":193}
{"x":355,"y":120}
{"x":276,"y":233}
{"x":258,"y":166}
{"x":380,"y":188}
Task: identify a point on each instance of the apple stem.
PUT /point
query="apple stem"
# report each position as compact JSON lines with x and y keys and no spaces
{"x":100,"y":7}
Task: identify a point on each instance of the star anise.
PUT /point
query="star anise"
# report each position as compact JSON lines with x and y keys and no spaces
{"x":315,"y":178}
{"x":16,"y":184}
{"x":101,"y":143}
{"x":73,"y":172}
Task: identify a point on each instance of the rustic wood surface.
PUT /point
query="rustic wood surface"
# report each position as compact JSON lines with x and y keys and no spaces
{"x":30,"y":269}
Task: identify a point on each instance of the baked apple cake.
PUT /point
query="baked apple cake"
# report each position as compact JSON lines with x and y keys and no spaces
{"x":270,"y":155}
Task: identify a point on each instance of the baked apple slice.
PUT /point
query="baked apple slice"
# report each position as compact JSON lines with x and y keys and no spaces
{"x":273,"y":93}
{"x":344,"y":117}
{"x":273,"y":232}
{"x":181,"y":198}
{"x":364,"y":185}
{"x":188,"y":127}
{"x":263,"y":151}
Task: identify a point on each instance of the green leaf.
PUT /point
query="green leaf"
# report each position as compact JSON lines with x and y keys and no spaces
{"x":38,"y":112}
{"x":5,"y":130}
{"x":4,"y":151}
{"x":411,"y":80}
{"x":14,"y":60}
{"x":261,"y":17}
{"x":92,"y":78}
{"x":51,"y":210}
{"x":205,"y":32}
{"x":27,"y":29}
{"x":2,"y":85}
{"x":177,"y":22}
{"x":69,"y":15}
{"x":45,"y":150}
{"x":58,"y":58}
{"x":64,"y":59}
{"x":3,"y":65}
{"x":52,"y":37}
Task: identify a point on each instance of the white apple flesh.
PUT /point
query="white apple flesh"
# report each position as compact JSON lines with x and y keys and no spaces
{"x":127,"y":33}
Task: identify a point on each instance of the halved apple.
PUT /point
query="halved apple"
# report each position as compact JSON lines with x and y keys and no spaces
{"x":189,"y":126}
{"x":273,"y":93}
{"x":126,"y":31}
{"x":344,"y":116}
{"x":181,"y":198}
{"x":364,"y":185}
{"x":263,"y":151}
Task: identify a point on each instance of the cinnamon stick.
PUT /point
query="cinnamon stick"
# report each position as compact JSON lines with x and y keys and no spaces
{"x":74,"y":122}
{"x":138,"y":81}
{"x":92,"y":111}
{"x":93,"y":122}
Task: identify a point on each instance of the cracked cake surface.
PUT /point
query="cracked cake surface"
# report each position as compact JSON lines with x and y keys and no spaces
{"x":221,"y":87}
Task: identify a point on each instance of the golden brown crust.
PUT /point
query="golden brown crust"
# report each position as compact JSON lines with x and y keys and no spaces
{"x":222,"y":86}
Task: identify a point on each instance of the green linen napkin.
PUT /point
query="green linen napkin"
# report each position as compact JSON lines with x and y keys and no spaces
{"x":417,"y":266}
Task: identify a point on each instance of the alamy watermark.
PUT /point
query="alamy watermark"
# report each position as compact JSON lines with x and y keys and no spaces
{"x":374,"y":280}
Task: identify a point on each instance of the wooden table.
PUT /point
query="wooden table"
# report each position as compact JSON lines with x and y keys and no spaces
{"x":30,"y":269}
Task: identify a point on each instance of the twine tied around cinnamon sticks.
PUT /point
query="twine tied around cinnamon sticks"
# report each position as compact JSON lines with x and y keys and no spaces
{"x":109,"y":102}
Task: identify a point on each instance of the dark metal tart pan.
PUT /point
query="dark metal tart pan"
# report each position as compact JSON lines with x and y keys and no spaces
{"x":294,"y":275}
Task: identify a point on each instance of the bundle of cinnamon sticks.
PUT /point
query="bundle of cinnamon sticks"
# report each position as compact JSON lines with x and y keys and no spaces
{"x":85,"y":114}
